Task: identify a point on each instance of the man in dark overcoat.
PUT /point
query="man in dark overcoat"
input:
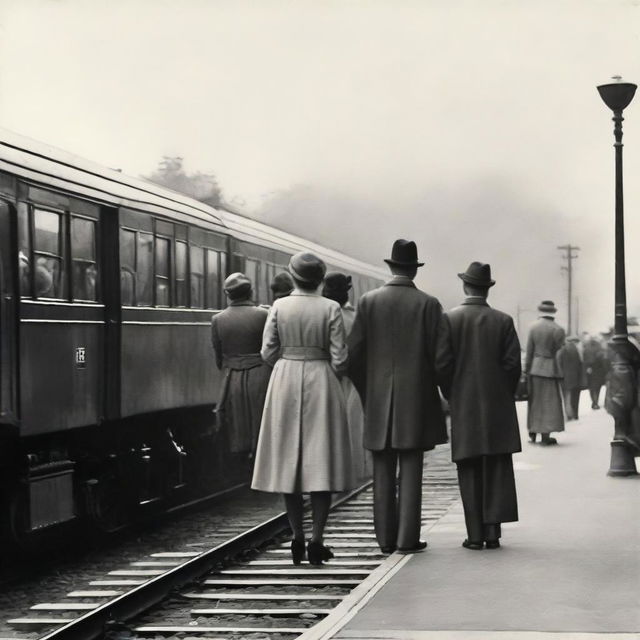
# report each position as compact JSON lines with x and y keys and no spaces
{"x":392,"y":348}
{"x":573,"y":376}
{"x":479,"y":368}
{"x":236,"y":336}
{"x":595,"y":363}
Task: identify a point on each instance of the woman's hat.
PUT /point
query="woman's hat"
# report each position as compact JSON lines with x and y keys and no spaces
{"x":282,"y":284}
{"x":307,"y":267}
{"x":336,"y":282}
{"x":404,"y":254}
{"x":479,"y":274}
{"x":236,"y":283}
{"x":546,"y":306}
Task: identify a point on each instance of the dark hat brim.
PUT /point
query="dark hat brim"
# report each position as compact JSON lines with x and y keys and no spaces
{"x":403,"y":264}
{"x":477,"y":281}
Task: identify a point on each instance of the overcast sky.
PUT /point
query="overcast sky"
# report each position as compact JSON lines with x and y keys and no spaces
{"x":473,"y":127}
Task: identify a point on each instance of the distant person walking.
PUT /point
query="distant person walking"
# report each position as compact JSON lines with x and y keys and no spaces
{"x":479,"y":365}
{"x":392,"y":347}
{"x":236,"y":336}
{"x":573,"y":376}
{"x":336,"y":287}
{"x":545,"y":339}
{"x":595,"y":363}
{"x":304,"y":444}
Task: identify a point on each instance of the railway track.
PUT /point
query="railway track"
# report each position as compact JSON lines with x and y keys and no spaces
{"x":244,"y":587}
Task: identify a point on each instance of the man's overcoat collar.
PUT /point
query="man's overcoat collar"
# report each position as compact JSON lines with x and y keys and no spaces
{"x":479,"y":300}
{"x":400,"y":281}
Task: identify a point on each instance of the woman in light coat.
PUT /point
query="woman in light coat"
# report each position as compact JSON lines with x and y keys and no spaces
{"x":336,"y":287}
{"x":304,"y":444}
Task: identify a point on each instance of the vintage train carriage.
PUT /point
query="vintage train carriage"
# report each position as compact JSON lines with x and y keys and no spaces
{"x":107,"y":383}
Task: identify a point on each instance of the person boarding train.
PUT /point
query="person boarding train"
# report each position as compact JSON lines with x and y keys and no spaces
{"x":479,"y":369}
{"x":392,"y":347}
{"x":304,"y":444}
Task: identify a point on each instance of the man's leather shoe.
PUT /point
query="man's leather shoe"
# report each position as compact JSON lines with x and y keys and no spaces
{"x":388,"y":550}
{"x":474,"y":546}
{"x":492,"y":544}
{"x":422,"y":544}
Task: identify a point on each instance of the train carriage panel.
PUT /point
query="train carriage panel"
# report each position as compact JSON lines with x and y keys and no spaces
{"x":61,"y":314}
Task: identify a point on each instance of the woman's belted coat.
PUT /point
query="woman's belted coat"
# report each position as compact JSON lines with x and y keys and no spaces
{"x":304,"y":443}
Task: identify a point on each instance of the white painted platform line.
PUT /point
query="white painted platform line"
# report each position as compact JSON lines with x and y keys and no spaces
{"x":404,"y":634}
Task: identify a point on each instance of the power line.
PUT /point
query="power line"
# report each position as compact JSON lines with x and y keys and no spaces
{"x":570,"y":257}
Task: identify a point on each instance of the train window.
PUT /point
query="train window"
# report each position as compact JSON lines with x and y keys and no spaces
{"x":144,"y":270}
{"x":127,"y":267}
{"x":213,"y":280}
{"x":197,"y":277}
{"x":83,"y":259}
{"x":162,"y":273}
{"x":48,"y":255}
{"x":252,"y":271}
{"x":181,"y":274}
{"x":24,"y":250}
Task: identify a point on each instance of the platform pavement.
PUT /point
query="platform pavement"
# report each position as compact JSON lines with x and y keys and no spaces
{"x":570,"y":568}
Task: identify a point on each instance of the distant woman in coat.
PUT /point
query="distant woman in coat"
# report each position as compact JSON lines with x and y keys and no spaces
{"x":304,"y":444}
{"x":336,"y":287}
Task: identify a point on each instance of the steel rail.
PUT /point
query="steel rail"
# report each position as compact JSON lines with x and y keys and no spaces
{"x":135,"y":602}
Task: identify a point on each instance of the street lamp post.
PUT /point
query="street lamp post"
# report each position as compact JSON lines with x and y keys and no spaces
{"x":622,"y":388}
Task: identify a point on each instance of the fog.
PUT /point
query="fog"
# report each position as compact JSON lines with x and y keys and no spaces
{"x":473,"y":128}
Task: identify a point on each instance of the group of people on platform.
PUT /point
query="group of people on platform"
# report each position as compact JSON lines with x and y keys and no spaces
{"x":321,"y":392}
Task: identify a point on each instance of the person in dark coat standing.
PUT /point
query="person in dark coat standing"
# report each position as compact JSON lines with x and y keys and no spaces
{"x":545,"y":339}
{"x":236,"y":335}
{"x":595,"y":363}
{"x":573,"y":376}
{"x":479,"y":368}
{"x":392,"y":348}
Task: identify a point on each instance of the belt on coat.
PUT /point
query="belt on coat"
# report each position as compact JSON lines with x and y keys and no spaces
{"x":304,"y":353}
{"x":240,"y":362}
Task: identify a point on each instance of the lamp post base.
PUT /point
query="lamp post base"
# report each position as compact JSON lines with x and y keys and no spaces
{"x":623,"y":462}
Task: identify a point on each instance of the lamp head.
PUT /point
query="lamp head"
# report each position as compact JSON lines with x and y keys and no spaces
{"x":617,"y":95}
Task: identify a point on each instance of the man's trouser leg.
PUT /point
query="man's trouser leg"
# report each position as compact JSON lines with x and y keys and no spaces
{"x":470,"y":482}
{"x":568,"y":406}
{"x":385,"y":517}
{"x":410,"y":498}
{"x":575,"y":402}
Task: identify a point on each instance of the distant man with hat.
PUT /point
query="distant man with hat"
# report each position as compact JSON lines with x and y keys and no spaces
{"x":392,"y":347}
{"x":545,"y":339}
{"x":236,"y":335}
{"x":479,"y":367}
{"x":573,"y":374}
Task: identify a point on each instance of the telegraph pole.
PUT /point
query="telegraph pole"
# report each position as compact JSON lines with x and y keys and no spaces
{"x":570,"y":257}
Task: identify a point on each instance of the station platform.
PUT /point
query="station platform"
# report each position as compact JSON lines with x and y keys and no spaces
{"x":570,"y":568}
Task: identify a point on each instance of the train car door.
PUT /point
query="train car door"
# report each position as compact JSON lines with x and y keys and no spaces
{"x":7,"y":317}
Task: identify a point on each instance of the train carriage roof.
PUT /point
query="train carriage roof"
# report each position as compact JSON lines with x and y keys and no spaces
{"x":47,"y":165}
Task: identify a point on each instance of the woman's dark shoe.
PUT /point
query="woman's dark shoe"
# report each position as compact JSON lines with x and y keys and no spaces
{"x":492,"y":544}
{"x":474,"y":546}
{"x":532,"y":437}
{"x":419,"y":546}
{"x":297,"y":551}
{"x":317,"y":553}
{"x":548,"y":441}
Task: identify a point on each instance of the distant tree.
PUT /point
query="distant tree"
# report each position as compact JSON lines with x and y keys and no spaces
{"x":201,"y":186}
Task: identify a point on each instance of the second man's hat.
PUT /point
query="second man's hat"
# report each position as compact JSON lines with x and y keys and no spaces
{"x":479,"y":274}
{"x":546,"y":306}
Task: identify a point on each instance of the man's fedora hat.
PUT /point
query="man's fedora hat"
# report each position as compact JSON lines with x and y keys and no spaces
{"x":307,"y":267}
{"x":404,"y":254}
{"x":236,"y":283}
{"x":337,"y":282}
{"x":546,"y":306}
{"x":479,"y":274}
